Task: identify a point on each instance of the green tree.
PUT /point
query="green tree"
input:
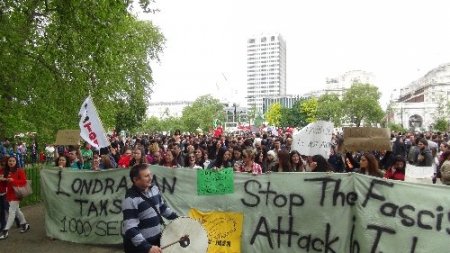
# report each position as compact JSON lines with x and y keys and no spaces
{"x":396,"y":128}
{"x":329,"y":108}
{"x":273,"y":114}
{"x":54,"y":53}
{"x":309,"y":108}
{"x":361,"y":104}
{"x":202,"y":113}
{"x":295,"y":116}
{"x":441,"y":124}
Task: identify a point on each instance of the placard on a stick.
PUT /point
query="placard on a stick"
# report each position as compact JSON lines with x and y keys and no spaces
{"x":68,"y":137}
{"x":366,"y":139}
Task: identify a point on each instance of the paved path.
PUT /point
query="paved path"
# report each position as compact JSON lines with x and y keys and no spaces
{"x":36,"y":240}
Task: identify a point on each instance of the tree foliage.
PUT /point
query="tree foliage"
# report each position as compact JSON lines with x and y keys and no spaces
{"x":273,"y":114}
{"x":309,"y":109}
{"x":293,"y":117}
{"x":361,"y":104}
{"x":329,"y":108}
{"x":441,"y":124}
{"x":202,"y":113}
{"x":54,"y":53}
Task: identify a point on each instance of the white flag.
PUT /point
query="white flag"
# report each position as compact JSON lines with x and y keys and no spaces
{"x":90,"y":125}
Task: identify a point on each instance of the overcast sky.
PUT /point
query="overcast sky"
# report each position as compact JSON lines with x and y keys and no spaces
{"x":205,"y":52}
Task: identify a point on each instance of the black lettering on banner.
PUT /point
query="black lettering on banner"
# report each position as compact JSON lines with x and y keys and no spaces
{"x":59,"y":191}
{"x":92,"y":208}
{"x":117,"y":203}
{"x":268,"y":192}
{"x":109,"y":184}
{"x":122,"y":184}
{"x":420,"y":215}
{"x":264,"y":233}
{"x":414,"y":244}
{"x":407,"y":221}
{"x":165,"y":183}
{"x":98,"y":186}
{"x":279,"y":200}
{"x":380,"y":230}
{"x":439,"y":218}
{"x":306,"y":242}
{"x":112,"y":226}
{"x":101,"y":228}
{"x":280,"y":232}
{"x":345,"y":198}
{"x":372,"y":194}
{"x":246,"y":189}
{"x":81,"y":201}
{"x":104,"y":207}
{"x":389,"y":209}
{"x":354,"y":244}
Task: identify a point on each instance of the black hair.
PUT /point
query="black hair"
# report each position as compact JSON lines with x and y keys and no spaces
{"x":135,"y":171}
{"x":322,"y":164}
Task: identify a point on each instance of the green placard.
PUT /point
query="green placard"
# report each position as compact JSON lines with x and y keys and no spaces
{"x":215,"y":182}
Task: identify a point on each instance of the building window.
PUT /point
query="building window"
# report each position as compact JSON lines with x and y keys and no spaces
{"x":263,"y":39}
{"x":272,"y":38}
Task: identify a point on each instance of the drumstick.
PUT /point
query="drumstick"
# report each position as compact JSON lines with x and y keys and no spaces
{"x":184,"y":238}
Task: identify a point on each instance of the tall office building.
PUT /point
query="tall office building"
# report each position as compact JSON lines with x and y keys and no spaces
{"x":266,"y":68}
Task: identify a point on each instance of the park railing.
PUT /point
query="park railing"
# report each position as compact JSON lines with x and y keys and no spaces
{"x":33,"y":174}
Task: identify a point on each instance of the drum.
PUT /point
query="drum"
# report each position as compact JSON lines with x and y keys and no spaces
{"x":184,"y":234}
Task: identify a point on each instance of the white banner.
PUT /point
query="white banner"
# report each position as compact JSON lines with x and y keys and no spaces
{"x":418,"y":174}
{"x":91,"y":126}
{"x":314,"y":139}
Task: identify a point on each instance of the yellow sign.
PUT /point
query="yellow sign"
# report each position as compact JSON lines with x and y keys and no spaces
{"x":224,"y":230}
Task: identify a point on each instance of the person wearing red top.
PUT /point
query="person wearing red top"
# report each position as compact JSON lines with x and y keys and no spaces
{"x":397,"y":170}
{"x":13,"y":176}
{"x":125,"y":159}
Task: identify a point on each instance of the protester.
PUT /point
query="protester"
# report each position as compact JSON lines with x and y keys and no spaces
{"x":169,"y":160}
{"x":3,"y":202}
{"x":397,"y":170}
{"x":424,"y":156}
{"x":138,"y":157}
{"x":296,"y":161}
{"x":223,"y":160}
{"x":75,"y":160}
{"x":191,"y":162}
{"x":283,"y":164}
{"x":444,"y":168}
{"x":61,"y":162}
{"x":249,"y":165}
{"x":320,"y":164}
{"x":125,"y":159}
{"x":369,"y":166}
{"x":272,"y":161}
{"x":13,"y":176}
{"x":156,"y":158}
{"x":142,"y":209}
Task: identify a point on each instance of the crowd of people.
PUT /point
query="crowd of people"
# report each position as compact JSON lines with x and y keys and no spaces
{"x":247,"y":153}
{"x":257,"y":154}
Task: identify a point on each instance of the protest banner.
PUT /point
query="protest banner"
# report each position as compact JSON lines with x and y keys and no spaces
{"x":366,"y":139}
{"x":419,"y":174}
{"x":210,"y":182}
{"x":314,"y":139}
{"x":224,"y":230}
{"x":67,"y":137}
{"x":283,"y":212}
{"x":91,"y":126}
